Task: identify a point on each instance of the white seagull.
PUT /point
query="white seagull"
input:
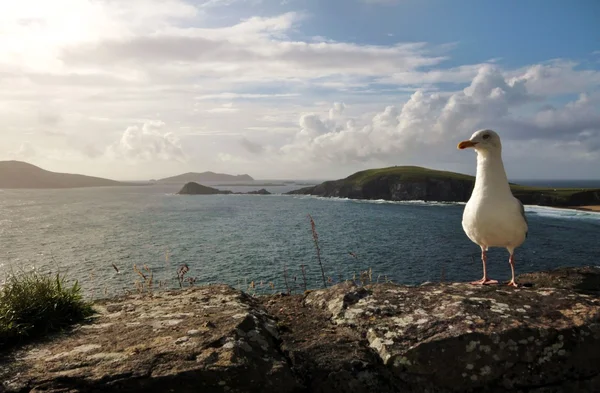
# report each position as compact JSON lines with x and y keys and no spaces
{"x":493,"y":217}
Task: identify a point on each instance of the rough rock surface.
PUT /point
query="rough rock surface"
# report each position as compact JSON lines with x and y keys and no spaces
{"x":455,"y":338}
{"x":378,"y":338}
{"x":580,"y":279}
{"x":207,"y":339}
{"x":325,"y":356}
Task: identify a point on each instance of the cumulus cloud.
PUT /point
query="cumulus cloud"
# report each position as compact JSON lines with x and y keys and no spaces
{"x":147,"y":143}
{"x":423,"y":122}
{"x":576,"y":124}
{"x":430,"y":123}
{"x":558,"y":77}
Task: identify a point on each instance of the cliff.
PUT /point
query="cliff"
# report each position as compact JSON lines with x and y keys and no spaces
{"x":205,"y":177}
{"x":405,"y":183}
{"x":17,"y":174}
{"x":542,"y":337}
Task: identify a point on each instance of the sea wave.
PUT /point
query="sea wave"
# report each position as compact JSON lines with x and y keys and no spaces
{"x":546,"y":211}
{"x":378,"y":201}
{"x":557,"y":212}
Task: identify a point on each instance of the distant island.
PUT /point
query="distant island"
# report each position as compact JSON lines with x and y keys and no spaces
{"x":193,"y":188}
{"x":205,"y":177}
{"x":18,"y":174}
{"x":405,"y":183}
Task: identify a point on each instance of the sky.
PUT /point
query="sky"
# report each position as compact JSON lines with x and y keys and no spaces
{"x":292,"y":89}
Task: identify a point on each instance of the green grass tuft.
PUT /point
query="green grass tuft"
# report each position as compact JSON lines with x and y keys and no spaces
{"x":34,"y":304}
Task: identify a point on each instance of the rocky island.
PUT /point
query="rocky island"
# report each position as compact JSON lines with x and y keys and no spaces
{"x":193,"y":188}
{"x":437,"y":337}
{"x":404,"y":183}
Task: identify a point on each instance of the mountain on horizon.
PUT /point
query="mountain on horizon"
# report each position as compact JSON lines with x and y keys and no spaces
{"x":19,"y":174}
{"x":205,"y":177}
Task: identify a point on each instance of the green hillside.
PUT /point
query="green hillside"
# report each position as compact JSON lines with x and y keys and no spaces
{"x":408,"y":173}
{"x":413,"y":182}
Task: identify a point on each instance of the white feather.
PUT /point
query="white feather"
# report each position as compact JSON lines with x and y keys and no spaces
{"x":493,"y":217}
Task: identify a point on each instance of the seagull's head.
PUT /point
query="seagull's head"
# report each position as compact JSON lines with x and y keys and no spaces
{"x":483,"y":141}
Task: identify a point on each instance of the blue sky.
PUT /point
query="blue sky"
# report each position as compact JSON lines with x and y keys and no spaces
{"x":514,"y":32}
{"x":303,"y":89}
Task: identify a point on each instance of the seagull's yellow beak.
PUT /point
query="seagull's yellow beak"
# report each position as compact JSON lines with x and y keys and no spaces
{"x":465,"y":144}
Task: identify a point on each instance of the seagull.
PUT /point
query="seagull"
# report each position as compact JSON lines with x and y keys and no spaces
{"x":493,"y":217}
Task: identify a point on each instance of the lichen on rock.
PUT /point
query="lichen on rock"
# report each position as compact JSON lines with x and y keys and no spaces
{"x":347,"y":338}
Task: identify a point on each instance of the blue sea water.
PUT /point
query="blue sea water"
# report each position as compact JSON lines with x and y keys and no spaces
{"x":238,"y":239}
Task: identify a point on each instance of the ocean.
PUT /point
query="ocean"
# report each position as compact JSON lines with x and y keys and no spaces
{"x":244,"y":239}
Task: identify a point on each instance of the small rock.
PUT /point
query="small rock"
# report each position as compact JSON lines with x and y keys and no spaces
{"x":182,"y":340}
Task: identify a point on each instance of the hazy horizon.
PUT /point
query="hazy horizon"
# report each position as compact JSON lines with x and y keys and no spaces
{"x":291,"y":89}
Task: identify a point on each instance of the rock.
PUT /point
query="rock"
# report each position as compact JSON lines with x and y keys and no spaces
{"x":205,"y":339}
{"x":328,"y":358}
{"x":347,"y":338}
{"x":451,"y":338}
{"x":262,"y":191}
{"x":193,"y":188}
{"x":581,"y":279}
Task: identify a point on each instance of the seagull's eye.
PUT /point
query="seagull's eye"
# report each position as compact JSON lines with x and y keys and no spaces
{"x":486,"y":136}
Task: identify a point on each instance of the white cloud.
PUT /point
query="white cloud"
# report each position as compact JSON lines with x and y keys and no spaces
{"x":147,"y":144}
{"x":558,"y":77}
{"x":225,"y":108}
{"x":234,"y":96}
{"x":261,"y":91}
{"x":429,"y":125}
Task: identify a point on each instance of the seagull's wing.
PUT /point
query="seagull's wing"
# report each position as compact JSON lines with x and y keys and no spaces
{"x":523,"y":213}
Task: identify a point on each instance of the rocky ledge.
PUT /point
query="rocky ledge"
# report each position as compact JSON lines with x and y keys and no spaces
{"x":541,"y":337}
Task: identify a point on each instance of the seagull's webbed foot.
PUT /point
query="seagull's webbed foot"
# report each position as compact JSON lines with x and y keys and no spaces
{"x":512,"y":283}
{"x":484,"y":281}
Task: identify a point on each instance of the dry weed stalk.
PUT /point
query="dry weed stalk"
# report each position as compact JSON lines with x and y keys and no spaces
{"x":147,"y":279}
{"x":285,"y":278}
{"x":315,"y":236}
{"x":181,"y":272}
{"x":304,"y":277}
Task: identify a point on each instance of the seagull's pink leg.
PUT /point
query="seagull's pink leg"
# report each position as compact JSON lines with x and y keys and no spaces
{"x":485,"y":280}
{"x":511,"y":260}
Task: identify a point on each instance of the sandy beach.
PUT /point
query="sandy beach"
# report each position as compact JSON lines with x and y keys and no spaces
{"x":592,"y":208}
